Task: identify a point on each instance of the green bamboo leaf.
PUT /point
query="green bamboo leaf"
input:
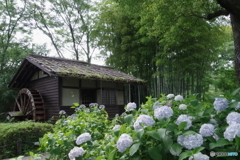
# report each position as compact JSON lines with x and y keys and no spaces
{"x":134,"y":148}
{"x":154,"y":153}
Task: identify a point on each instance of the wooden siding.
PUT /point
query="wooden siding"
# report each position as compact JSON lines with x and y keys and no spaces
{"x":48,"y":88}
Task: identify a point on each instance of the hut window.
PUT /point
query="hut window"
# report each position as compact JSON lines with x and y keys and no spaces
{"x":70,"y":96}
{"x":108,"y":96}
{"x":88,"y":96}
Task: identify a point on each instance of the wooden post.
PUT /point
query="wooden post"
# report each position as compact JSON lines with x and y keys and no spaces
{"x":19,"y":146}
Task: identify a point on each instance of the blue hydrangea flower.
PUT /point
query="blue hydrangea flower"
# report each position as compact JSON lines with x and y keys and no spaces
{"x":231,"y":131}
{"x":131,"y":106}
{"x":233,"y":117}
{"x":220,"y":104}
{"x":163,"y":112}
{"x":199,"y":156}
{"x":190,"y":141}
{"x":62,"y":112}
{"x":76,"y":152}
{"x":83,"y":138}
{"x":143,"y":119}
{"x":156,"y":105}
{"x":184,"y":118}
{"x":207,"y":130}
{"x":124,"y":142}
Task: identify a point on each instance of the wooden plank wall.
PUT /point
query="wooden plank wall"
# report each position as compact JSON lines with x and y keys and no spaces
{"x":48,"y":88}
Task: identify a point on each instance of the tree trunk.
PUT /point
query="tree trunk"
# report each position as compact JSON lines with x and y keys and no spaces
{"x":235,"y":21}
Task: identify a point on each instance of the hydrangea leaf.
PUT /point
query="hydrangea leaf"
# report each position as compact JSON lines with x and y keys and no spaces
{"x":111,"y":155}
{"x":154,"y":135}
{"x":134,"y":148}
{"x":194,"y":102}
{"x":140,"y":133}
{"x":185,"y":154}
{"x":162,"y":132}
{"x":182,"y":125}
{"x":167,"y":142}
{"x":198,"y":149}
{"x":128,"y":119}
{"x":189,"y":132}
{"x":176,"y":148}
{"x":221,"y":142}
{"x":154,"y":153}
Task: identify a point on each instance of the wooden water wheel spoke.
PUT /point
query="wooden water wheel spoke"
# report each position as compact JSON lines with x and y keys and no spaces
{"x":26,"y":102}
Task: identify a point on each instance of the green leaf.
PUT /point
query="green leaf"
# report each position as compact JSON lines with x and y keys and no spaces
{"x":154,"y":153}
{"x":134,"y":148}
{"x":154,"y":135}
{"x":236,"y":92}
{"x":176,"y":149}
{"x":162,"y":132}
{"x":185,"y":154}
{"x":182,"y":125}
{"x":221,"y":142}
{"x":116,"y":133}
{"x":167,"y":142}
{"x":128,"y":119}
{"x":189,"y":132}
{"x":194,"y":102}
{"x":198,"y":149}
{"x":123,"y":128}
{"x":140,"y":133}
{"x":111,"y":155}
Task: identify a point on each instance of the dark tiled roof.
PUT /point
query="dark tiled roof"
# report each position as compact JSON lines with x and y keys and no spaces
{"x":61,"y":67}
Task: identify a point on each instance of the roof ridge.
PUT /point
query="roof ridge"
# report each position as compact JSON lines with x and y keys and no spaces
{"x":67,"y":59}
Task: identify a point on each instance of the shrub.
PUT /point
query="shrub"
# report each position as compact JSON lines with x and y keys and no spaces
{"x":166,"y":128}
{"x":28,"y":132}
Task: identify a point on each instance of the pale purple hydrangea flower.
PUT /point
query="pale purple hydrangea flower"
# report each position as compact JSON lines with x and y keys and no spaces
{"x":163,"y":112}
{"x":124,"y":142}
{"x":131,"y":106}
{"x":169,"y":96}
{"x":231,"y":131}
{"x":233,"y":117}
{"x":62,"y":112}
{"x":83,"y":138}
{"x":220,"y":104}
{"x":190,"y":141}
{"x":184,"y":118}
{"x":76,"y":152}
{"x":116,"y":127}
{"x":207,"y":130}
{"x":182,"y":107}
{"x":156,"y":105}
{"x":101,"y":106}
{"x":199,"y":156}
{"x":178,"y":98}
{"x":145,"y":120}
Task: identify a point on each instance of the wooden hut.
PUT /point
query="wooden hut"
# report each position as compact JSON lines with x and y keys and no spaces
{"x":53,"y":84}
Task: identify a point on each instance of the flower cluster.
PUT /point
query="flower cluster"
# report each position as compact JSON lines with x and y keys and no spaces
{"x":182,"y":106}
{"x":156,"y":105}
{"x":124,"y":142}
{"x":76,"y":152}
{"x":163,"y":112}
{"x":169,"y":96}
{"x":131,"y":106}
{"x":83,"y":138}
{"x":184,"y":118}
{"x":233,"y":117}
{"x":62,"y":112}
{"x":93,"y":105}
{"x":207,"y":130}
{"x":231,"y":131}
{"x":220,"y":104}
{"x":178,"y":98}
{"x":190,"y":141}
{"x":116,"y":127}
{"x":101,"y":106}
{"x":199,"y":156}
{"x":143,"y":119}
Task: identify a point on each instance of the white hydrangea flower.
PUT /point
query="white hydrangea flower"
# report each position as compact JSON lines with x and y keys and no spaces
{"x":199,"y":156}
{"x":213,"y":121}
{"x":233,"y":117}
{"x":231,"y":131}
{"x":116,"y":127}
{"x":124,"y":142}
{"x":169,"y":96}
{"x":62,"y":112}
{"x":182,"y":106}
{"x":145,"y":120}
{"x":76,"y":152}
{"x":238,"y":106}
{"x":83,"y":138}
{"x":184,"y":118}
{"x":101,"y":106}
{"x":178,"y":98}
{"x":190,"y":141}
{"x":131,"y":106}
{"x":207,"y":130}
{"x":156,"y":105}
{"x":163,"y":112}
{"x":220,"y":104}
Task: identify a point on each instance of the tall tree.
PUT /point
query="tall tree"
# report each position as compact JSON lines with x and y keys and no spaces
{"x":68,"y":24}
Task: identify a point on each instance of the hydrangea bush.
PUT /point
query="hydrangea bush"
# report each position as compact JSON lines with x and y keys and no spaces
{"x":158,"y":130}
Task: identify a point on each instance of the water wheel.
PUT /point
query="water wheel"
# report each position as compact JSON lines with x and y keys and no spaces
{"x":29,"y":105}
